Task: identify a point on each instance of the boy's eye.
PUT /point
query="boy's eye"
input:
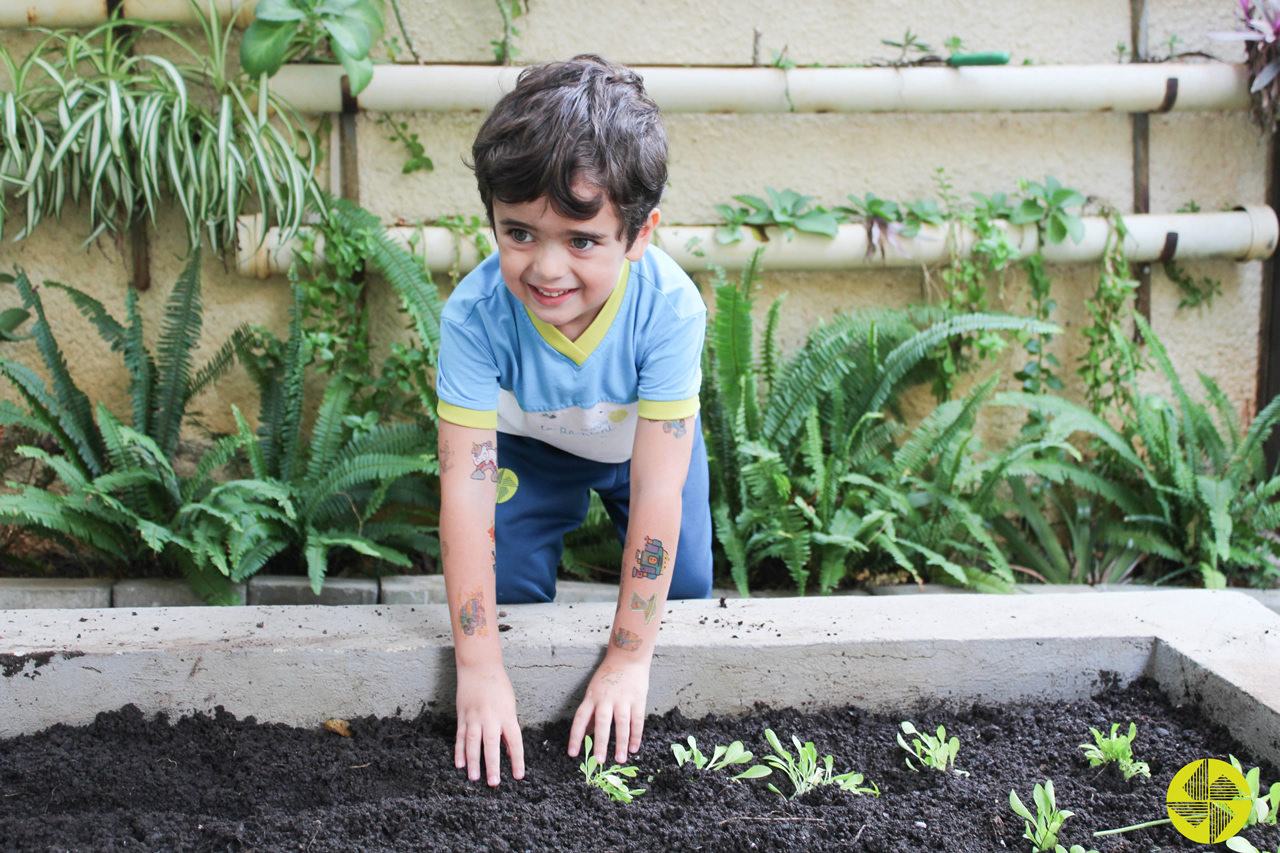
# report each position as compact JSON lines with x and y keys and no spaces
{"x":581,"y":243}
{"x":519,"y":235}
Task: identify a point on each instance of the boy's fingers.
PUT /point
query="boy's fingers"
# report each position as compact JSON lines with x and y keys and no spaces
{"x":460,"y":746}
{"x":579,"y":727}
{"x":473,"y":753}
{"x":621,"y":734}
{"x":637,"y":729}
{"x":493,"y":755}
{"x":515,"y":750}
{"x":604,"y":719}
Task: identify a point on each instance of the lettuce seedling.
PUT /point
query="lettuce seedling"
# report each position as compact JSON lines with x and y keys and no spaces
{"x":934,"y":752}
{"x":806,"y":773}
{"x":1266,"y":807}
{"x":1117,"y":748}
{"x":612,"y":781}
{"x":1041,"y":829}
{"x":721,"y":757}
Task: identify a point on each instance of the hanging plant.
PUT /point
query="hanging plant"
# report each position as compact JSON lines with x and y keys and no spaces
{"x":284,"y":30}
{"x":127,"y":134}
{"x":1261,"y":30}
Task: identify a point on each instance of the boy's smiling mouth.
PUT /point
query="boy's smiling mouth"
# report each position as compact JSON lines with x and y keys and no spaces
{"x":547,"y":296}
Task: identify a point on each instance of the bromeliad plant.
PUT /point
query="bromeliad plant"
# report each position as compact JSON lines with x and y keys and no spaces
{"x":721,"y":758}
{"x":613,"y":781}
{"x":805,"y":771}
{"x":1116,"y":748}
{"x":936,"y":753}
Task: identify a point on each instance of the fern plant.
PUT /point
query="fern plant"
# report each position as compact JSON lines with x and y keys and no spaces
{"x":1208,"y":503}
{"x":804,"y":471}
{"x":122,"y":486}
{"x":353,"y":485}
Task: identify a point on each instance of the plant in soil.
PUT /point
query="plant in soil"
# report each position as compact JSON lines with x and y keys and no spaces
{"x":1265,"y":807}
{"x":613,"y":781}
{"x":721,"y":757}
{"x":806,"y":773}
{"x":1116,"y":748}
{"x":1041,"y":828}
{"x":936,"y":753}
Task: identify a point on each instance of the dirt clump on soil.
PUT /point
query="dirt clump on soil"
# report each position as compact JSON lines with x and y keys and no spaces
{"x":216,"y":783}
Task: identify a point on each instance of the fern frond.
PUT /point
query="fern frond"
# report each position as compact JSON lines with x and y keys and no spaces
{"x":221,"y":362}
{"x":179,"y":336}
{"x":74,"y":412}
{"x":49,"y":417}
{"x":770,"y":347}
{"x":329,"y":432}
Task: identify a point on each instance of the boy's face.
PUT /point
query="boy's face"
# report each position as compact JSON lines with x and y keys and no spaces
{"x":563,"y":270}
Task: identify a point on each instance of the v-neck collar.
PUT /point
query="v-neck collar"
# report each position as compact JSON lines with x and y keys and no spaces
{"x":578,"y":351}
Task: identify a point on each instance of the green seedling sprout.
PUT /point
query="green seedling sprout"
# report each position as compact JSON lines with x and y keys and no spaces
{"x":806,"y":773}
{"x":721,"y":757}
{"x":1041,"y":829}
{"x":612,"y":781}
{"x":1075,"y":848}
{"x":1266,"y":807}
{"x":1243,"y":845}
{"x":1117,"y":748}
{"x":937,"y":753}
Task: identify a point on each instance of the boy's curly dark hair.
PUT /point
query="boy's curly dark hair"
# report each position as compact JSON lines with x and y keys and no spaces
{"x":586,"y":119}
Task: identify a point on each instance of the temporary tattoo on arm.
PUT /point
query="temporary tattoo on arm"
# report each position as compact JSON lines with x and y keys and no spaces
{"x":485,"y":458}
{"x":446,"y":457}
{"x":638,"y":603}
{"x":676,"y":428}
{"x":652,"y":559}
{"x":626,"y":640}
{"x":610,"y":676}
{"x":493,"y":552}
{"x":471,"y":617}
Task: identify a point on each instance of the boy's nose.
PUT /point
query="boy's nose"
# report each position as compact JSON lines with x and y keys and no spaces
{"x":548,"y":264}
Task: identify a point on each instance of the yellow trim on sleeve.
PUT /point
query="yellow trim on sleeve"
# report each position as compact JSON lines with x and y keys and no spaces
{"x":579,"y":350}
{"x":670,"y":411}
{"x":467,"y":417}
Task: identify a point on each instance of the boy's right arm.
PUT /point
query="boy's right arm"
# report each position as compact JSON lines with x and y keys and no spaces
{"x":485,"y":701}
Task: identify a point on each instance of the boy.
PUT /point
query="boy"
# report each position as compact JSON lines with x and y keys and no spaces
{"x":570,"y":360}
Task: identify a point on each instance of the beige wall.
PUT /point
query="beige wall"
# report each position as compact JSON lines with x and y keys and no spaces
{"x":1216,"y":159}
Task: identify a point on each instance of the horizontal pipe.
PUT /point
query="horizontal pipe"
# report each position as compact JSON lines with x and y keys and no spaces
{"x":87,"y":13}
{"x":1131,"y":88}
{"x":1247,"y":234}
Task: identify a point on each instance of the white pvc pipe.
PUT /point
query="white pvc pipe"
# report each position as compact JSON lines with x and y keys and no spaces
{"x":52,"y":13}
{"x":1134,"y":88}
{"x":179,"y":11}
{"x":87,"y":13}
{"x":1247,"y":234}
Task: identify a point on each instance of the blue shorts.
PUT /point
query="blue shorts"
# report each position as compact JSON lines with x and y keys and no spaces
{"x":551,"y":499}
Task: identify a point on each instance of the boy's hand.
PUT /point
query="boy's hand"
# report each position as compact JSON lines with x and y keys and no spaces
{"x":616,"y":696}
{"x":487,"y":719}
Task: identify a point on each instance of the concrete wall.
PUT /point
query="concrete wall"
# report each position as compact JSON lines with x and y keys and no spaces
{"x":1217,"y":160}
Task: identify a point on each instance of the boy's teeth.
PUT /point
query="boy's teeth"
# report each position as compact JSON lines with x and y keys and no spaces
{"x":550,"y":293}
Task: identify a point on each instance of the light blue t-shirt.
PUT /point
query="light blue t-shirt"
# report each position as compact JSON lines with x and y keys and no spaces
{"x":641,"y":357}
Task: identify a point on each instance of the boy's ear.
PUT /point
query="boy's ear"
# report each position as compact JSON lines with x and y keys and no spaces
{"x":643,"y":238}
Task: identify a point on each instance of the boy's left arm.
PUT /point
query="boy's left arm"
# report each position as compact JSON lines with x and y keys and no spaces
{"x":618,"y":691}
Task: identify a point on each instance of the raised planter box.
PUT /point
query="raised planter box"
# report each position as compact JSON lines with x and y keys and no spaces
{"x":301,"y":665}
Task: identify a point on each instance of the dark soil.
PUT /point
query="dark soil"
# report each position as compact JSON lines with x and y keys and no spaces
{"x":210,"y":783}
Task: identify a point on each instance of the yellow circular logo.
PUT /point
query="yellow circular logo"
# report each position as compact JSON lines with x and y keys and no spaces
{"x":1208,"y":801}
{"x":618,"y":416}
{"x":508,"y":482}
